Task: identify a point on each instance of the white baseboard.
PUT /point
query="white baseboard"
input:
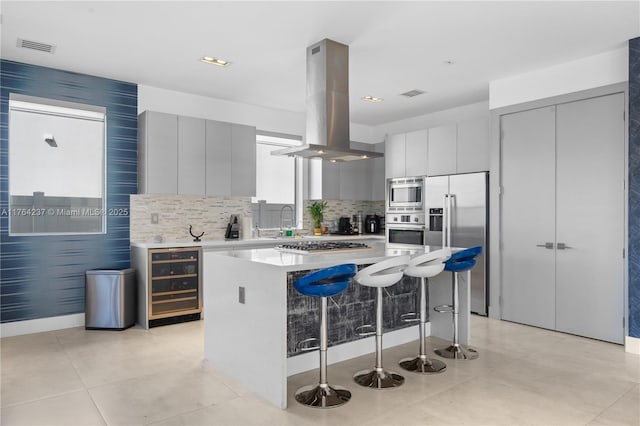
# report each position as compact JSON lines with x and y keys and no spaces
{"x":309,"y":361}
{"x":632,"y":345}
{"x":40,"y":325}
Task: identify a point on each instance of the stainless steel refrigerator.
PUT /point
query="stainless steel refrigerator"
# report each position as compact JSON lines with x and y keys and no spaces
{"x":457,"y":208}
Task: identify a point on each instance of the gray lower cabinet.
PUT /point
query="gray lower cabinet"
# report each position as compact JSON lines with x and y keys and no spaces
{"x":157,"y":152}
{"x":192,"y":156}
{"x":563,"y":217}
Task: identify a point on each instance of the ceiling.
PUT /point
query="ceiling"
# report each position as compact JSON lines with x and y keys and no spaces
{"x":394,"y":46}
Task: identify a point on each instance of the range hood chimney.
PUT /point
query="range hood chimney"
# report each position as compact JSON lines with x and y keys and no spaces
{"x":327,"y":135}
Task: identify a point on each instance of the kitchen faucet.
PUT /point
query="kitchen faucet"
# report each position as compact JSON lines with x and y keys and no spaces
{"x":282,"y":215}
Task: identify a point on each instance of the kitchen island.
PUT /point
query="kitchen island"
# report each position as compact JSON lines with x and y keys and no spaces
{"x":252,"y":322}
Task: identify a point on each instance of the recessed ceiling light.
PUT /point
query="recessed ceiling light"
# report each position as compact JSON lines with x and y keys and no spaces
{"x":372,"y":99}
{"x":449,"y":62}
{"x":215,"y":61}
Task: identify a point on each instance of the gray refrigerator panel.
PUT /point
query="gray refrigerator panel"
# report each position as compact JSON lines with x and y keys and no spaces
{"x":469,"y":217}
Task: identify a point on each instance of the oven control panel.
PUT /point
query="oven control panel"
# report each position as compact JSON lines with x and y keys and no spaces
{"x":405,"y":219}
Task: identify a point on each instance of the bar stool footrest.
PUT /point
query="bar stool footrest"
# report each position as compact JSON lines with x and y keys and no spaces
{"x":302,"y":345}
{"x":443,"y":308}
{"x":410,"y":317}
{"x":365,"y":330}
{"x":319,"y":396}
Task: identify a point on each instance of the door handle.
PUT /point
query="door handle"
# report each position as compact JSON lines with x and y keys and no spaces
{"x":444,"y":220}
{"x":562,"y":246}
{"x":547,"y":245}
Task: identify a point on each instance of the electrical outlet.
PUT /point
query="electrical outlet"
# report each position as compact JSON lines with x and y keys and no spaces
{"x":154,"y":218}
{"x":241,"y":295}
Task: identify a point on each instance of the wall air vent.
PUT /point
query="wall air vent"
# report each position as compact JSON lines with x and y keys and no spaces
{"x":412,"y":93}
{"x":36,"y":45}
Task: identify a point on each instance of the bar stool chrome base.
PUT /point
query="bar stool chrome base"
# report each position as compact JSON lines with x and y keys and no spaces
{"x":322,"y":396}
{"x":422,"y":364}
{"x":378,"y":378}
{"x":457,"y":351}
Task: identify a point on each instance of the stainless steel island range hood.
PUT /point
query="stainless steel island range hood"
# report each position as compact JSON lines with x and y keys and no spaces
{"x":327,"y":132}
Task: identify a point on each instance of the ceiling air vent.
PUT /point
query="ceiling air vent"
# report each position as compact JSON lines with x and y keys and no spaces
{"x":35,"y":45}
{"x":412,"y":93}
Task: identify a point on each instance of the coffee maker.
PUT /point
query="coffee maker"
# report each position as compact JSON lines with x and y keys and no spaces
{"x":233,"y":228}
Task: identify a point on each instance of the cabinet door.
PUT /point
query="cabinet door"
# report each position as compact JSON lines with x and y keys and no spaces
{"x":331,"y":179}
{"x":528,"y":217}
{"x":378,"y":186}
{"x":590,"y":218}
{"x":394,"y":156}
{"x":218,"y":158}
{"x":416,"y":153}
{"x":191,"y":156}
{"x":441,"y":157}
{"x":243,"y":160}
{"x":161,"y":142}
{"x":473,"y":147}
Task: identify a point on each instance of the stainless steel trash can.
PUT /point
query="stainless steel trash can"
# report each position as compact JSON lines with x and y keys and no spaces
{"x":110,"y":299}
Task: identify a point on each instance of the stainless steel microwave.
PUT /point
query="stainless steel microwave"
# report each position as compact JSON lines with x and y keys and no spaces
{"x":405,"y":194}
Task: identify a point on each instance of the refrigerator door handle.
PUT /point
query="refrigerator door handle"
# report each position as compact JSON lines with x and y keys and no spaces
{"x":450,"y":207}
{"x":445,"y":198}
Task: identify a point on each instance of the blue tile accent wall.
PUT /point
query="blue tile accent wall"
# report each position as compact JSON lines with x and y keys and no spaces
{"x":43,"y":276}
{"x":634,"y":187}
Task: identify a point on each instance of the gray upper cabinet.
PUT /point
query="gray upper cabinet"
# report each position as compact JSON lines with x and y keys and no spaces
{"x":218,"y":153}
{"x":243,"y":160}
{"x":355,"y":180}
{"x":394,"y":155}
{"x":378,"y":188}
{"x":416,"y":153}
{"x":406,"y":154}
{"x":192,"y":156}
{"x":157,"y":153}
{"x":442,"y":150}
{"x":473,"y":146}
{"x":191,"y":162}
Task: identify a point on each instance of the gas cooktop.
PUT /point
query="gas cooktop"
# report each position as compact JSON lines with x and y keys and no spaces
{"x":321,"y":246}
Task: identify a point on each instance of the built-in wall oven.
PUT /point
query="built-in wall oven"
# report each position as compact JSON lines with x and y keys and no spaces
{"x":405,"y":230}
{"x":405,"y":194}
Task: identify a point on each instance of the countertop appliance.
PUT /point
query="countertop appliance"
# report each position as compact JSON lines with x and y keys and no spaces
{"x":344,"y":226}
{"x":372,"y":224}
{"x":457,"y":206}
{"x":321,"y":246}
{"x":233,"y":228}
{"x":405,"y":194}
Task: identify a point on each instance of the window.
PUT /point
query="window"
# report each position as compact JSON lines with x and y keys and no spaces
{"x":56,"y":167}
{"x":278,"y":183}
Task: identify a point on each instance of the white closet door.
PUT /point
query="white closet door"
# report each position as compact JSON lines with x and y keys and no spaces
{"x":528,"y":217}
{"x":590,"y":217}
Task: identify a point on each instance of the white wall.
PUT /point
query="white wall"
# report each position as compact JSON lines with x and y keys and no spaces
{"x":453,"y":115}
{"x":582,"y":74}
{"x":266,"y":119}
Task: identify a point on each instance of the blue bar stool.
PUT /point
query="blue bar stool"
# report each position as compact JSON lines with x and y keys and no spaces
{"x":462,"y":261}
{"x":324,"y":283}
{"x":380,"y":275}
{"x":424,"y":266}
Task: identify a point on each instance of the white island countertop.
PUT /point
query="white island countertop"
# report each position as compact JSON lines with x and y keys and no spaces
{"x":252,"y":242}
{"x":290,"y":261}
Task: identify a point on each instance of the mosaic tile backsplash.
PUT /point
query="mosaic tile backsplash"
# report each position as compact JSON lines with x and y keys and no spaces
{"x":211,"y":215}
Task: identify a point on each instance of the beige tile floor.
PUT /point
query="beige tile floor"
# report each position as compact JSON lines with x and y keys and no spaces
{"x":524,"y":375}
